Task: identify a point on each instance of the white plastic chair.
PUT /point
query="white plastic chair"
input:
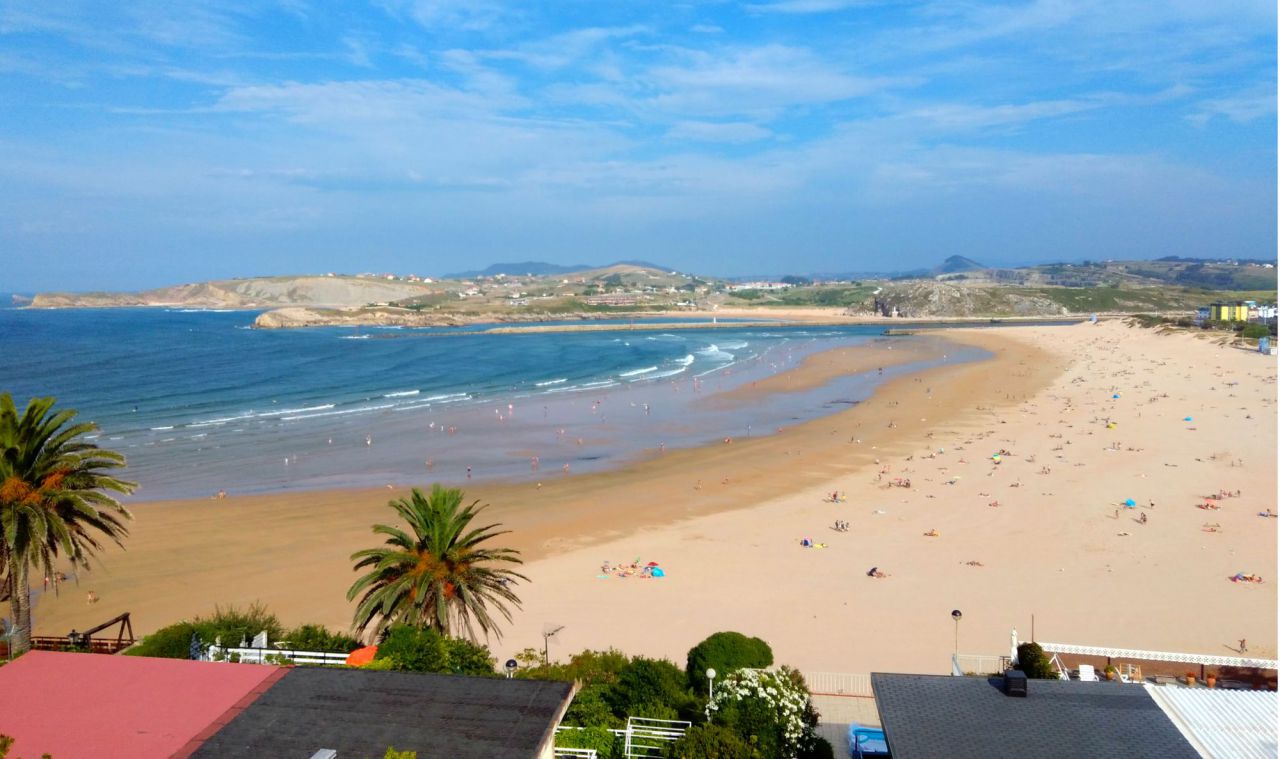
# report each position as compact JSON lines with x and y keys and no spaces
{"x":1087,"y":675}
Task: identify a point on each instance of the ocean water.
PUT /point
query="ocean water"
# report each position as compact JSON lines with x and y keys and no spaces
{"x":200,"y":402}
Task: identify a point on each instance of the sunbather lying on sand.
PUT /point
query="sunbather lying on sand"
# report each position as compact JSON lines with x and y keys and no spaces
{"x":875,"y":572}
{"x":1241,"y":577}
{"x":931,"y":534}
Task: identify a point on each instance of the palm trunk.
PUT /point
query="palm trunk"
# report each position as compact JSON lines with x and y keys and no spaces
{"x":20,"y":604}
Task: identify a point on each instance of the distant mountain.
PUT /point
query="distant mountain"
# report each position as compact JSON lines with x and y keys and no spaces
{"x":957,"y":264}
{"x":516,"y":269}
{"x":542,"y":269}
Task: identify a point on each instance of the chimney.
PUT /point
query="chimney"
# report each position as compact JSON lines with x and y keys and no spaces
{"x":1015,"y":683}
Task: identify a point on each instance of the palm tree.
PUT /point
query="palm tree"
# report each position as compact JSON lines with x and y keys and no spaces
{"x":437,"y":574}
{"x":55,"y":499}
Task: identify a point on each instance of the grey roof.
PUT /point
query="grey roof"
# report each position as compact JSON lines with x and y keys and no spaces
{"x":361,"y":713}
{"x":927,"y":716}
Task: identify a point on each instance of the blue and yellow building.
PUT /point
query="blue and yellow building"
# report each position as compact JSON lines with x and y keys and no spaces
{"x":1228,"y":312}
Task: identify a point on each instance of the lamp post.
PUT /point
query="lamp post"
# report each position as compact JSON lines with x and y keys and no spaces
{"x":956,"y":615}
{"x":711,"y":684}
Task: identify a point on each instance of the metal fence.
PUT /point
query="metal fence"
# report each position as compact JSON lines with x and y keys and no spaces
{"x":978,"y":664}
{"x":272,"y":656}
{"x":838,"y":684}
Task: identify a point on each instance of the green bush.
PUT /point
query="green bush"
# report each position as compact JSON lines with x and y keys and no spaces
{"x":393,"y":754}
{"x":820,"y":748}
{"x":1255,"y":331}
{"x":771,"y":710}
{"x":230,"y":623}
{"x":606,"y":744}
{"x":1034,"y":663}
{"x":711,"y":742}
{"x":172,"y":642}
{"x":591,"y":707}
{"x":651,"y":688}
{"x":426,"y":650}
{"x":588,"y":667}
{"x":319,"y":638}
{"x":725,"y":652}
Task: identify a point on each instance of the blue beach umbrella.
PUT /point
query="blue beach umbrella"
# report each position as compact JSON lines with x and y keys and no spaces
{"x":1129,"y":503}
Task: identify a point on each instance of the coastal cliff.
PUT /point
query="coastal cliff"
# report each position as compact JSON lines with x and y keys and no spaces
{"x":391,"y":316}
{"x":299,"y":316}
{"x":262,"y":292}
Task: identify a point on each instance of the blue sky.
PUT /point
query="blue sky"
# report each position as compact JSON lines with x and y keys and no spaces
{"x":149,"y":143}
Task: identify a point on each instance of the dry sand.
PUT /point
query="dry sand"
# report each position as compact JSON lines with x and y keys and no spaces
{"x":725,"y":521}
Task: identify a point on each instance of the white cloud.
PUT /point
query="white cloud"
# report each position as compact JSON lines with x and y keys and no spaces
{"x":761,"y":81}
{"x":962,"y":116}
{"x":1241,"y":107}
{"x":441,"y":15}
{"x":808,"y":6}
{"x":709,"y":131}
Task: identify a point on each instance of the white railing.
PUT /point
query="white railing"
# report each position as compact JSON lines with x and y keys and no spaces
{"x":581,"y":753}
{"x":273,"y":656}
{"x":838,"y":684}
{"x":978,"y":664}
{"x":645,"y":737}
{"x":1132,"y":653}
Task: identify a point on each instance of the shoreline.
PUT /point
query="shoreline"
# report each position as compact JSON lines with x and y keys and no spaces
{"x":563,"y":513}
{"x":1051,"y":547}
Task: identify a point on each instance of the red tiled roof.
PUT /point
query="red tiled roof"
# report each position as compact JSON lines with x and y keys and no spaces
{"x":121,"y":707}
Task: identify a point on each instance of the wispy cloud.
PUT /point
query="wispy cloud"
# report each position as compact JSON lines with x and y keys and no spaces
{"x":807,"y":6}
{"x":1240,"y":107}
{"x":761,"y":81}
{"x":709,"y":131}
{"x":437,"y":15}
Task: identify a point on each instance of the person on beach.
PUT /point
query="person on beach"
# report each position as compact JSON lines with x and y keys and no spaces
{"x":468,"y":473}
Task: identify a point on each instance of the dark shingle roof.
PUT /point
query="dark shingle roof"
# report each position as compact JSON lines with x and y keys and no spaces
{"x":359,"y":714}
{"x":926,"y":716}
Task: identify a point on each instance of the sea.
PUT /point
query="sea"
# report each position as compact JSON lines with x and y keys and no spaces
{"x":200,"y":402}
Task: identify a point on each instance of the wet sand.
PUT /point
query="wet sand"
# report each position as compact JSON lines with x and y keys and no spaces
{"x":725,"y":520}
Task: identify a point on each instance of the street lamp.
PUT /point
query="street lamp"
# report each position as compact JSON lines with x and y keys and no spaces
{"x":711,"y":684}
{"x":956,"y":615}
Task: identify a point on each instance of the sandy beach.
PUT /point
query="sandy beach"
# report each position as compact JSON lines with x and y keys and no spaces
{"x":1087,"y":416}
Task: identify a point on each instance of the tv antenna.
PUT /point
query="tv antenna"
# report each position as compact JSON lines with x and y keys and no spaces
{"x":548,"y":632}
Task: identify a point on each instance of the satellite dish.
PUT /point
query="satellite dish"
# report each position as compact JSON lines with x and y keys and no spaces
{"x":511,"y":665}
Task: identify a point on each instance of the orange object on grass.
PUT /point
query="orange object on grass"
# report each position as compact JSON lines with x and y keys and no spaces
{"x":361,"y":656}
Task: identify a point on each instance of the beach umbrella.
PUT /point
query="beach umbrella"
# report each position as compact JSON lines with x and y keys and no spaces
{"x":652,"y":564}
{"x":1013,"y":647}
{"x":361,"y":656}
{"x":1113,"y":397}
{"x":657,"y":572}
{"x":1130,"y":503}
{"x":1186,"y":418}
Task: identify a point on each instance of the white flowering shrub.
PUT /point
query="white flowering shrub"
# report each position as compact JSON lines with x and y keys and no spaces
{"x":769,"y":708}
